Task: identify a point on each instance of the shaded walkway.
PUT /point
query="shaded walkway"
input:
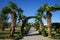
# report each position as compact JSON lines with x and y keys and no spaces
{"x":34,"y":35}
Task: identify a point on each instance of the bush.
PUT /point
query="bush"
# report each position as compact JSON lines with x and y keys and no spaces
{"x":44,"y":33}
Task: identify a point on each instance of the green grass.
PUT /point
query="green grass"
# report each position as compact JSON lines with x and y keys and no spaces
{"x":2,"y":36}
{"x":7,"y":35}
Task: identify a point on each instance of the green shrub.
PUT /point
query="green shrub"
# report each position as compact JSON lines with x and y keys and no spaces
{"x":44,"y":33}
{"x":53,"y":34}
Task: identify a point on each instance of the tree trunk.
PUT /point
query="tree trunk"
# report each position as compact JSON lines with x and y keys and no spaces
{"x":48,"y":17}
{"x":13,"y":24}
{"x":2,"y":25}
{"x":49,"y":27}
{"x":3,"y":28}
{"x":41,"y":25}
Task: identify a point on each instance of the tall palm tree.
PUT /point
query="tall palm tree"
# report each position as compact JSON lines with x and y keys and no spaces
{"x":13,"y":24}
{"x":11,"y":8}
{"x":48,"y":17}
{"x":50,"y":9}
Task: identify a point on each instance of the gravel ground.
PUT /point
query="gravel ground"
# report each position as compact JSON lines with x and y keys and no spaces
{"x":33,"y":35}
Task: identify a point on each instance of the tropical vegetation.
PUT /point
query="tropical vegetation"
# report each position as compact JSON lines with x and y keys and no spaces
{"x":19,"y":25}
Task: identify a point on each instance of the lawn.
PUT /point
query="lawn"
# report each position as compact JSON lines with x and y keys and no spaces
{"x":6,"y":34}
{"x":17,"y":34}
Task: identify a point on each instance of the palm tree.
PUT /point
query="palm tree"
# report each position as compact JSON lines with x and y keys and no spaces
{"x":3,"y":20}
{"x":50,"y":9}
{"x":20,"y":14}
{"x":40,"y":16}
{"x":13,"y":24}
{"x":12,"y":10}
{"x":48,"y":17}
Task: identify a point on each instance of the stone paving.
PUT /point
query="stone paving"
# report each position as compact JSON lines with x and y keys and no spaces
{"x":33,"y":35}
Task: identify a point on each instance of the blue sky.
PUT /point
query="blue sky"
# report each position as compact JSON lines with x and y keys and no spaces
{"x":30,"y":7}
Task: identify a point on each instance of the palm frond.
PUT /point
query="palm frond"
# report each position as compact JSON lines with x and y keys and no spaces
{"x":20,"y":10}
{"x":6,"y":10}
{"x":13,"y":6}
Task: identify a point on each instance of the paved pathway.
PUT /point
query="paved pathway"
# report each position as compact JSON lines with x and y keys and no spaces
{"x":33,"y":35}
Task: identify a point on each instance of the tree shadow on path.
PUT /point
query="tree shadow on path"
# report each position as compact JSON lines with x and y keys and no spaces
{"x":32,"y":34}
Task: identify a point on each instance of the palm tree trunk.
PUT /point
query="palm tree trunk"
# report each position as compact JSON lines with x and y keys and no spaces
{"x":49,"y":27}
{"x":2,"y":25}
{"x":3,"y":28}
{"x":13,"y":24}
{"x":41,"y":26}
{"x":48,"y":17}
